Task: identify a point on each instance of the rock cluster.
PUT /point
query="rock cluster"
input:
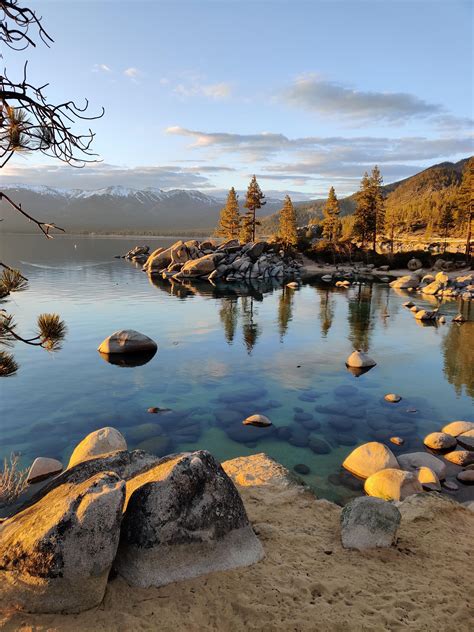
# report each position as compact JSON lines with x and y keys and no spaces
{"x":394,"y":478}
{"x":139,"y":254}
{"x":440,"y":285}
{"x":155,"y":520}
{"x":226,"y":262}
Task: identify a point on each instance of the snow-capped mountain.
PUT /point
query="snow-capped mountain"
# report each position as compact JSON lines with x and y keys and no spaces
{"x":113,"y":208}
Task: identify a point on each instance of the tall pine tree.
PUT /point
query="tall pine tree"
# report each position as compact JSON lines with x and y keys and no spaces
{"x":331,"y":223}
{"x":288,"y":230}
{"x":465,"y":203}
{"x":370,"y":210}
{"x":229,"y":222}
{"x":253,"y":201}
{"x":446,"y":221}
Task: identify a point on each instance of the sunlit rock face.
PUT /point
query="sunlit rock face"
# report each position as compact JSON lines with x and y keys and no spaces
{"x":55,"y":556}
{"x":392,"y":484}
{"x":369,"y":458}
{"x":102,"y":441}
{"x":183,"y":518}
{"x":257,"y":470}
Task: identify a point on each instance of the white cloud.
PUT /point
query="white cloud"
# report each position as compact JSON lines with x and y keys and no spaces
{"x":101,"y":68}
{"x":311,"y":92}
{"x":132,"y":73}
{"x":195,"y":88}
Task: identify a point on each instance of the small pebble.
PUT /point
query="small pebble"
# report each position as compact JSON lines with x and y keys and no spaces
{"x":412,"y":410}
{"x":392,"y":397}
{"x":397,"y":440}
{"x":153,"y":410}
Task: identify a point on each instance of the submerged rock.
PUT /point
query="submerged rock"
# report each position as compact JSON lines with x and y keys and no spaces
{"x":369,"y":458}
{"x":439,"y":441}
{"x":412,"y":461}
{"x":55,"y":556}
{"x":127,"y":341}
{"x":392,"y":484}
{"x":301,"y":468}
{"x":456,"y":428}
{"x":368,"y":523}
{"x":183,"y":518}
{"x":97,"y":443}
{"x":260,"y":421}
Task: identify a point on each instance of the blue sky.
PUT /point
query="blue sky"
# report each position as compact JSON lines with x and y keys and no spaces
{"x":203,"y":94}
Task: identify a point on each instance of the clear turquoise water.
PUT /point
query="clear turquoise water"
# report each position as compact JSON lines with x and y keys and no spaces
{"x":224,"y":353}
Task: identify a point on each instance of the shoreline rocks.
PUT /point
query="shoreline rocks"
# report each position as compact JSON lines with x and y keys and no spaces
{"x":369,"y":458}
{"x":368,"y":523}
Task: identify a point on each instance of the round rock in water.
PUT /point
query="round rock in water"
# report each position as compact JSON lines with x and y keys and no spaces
{"x":391,"y":484}
{"x":414,"y":460}
{"x":466,"y":440}
{"x":368,"y":523}
{"x":466,"y":477}
{"x":127,"y":341}
{"x":393,"y":398}
{"x":301,"y":468}
{"x":428,"y":479}
{"x":369,"y":458}
{"x":360,"y":360}
{"x":456,"y":428}
{"x":397,"y":440}
{"x":451,"y":485}
{"x":439,"y":441}
{"x":460,"y":457}
{"x":257,"y":420}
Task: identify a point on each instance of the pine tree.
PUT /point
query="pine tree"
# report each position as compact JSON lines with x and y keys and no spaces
{"x":362,"y":215}
{"x":229,"y":222}
{"x":331,"y":223}
{"x":465,"y":203}
{"x":253,"y":201}
{"x":288,"y":232}
{"x":446,"y":221}
{"x":378,"y":207}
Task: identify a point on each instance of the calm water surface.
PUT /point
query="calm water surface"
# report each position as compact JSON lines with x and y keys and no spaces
{"x":224,"y":353}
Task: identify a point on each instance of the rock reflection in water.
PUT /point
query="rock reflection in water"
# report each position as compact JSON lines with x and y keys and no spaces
{"x":128,"y":359}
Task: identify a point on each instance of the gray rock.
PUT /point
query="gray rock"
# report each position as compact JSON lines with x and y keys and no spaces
{"x":127,"y":341}
{"x":43,"y":468}
{"x":414,"y":460}
{"x":367,"y":523}
{"x":102,"y":441}
{"x":466,"y":439}
{"x":184,"y":518}
{"x":56,"y":555}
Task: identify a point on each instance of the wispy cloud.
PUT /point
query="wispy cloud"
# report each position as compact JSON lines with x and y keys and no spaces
{"x":132,"y":73}
{"x":315,"y":94}
{"x":195,"y":88}
{"x":101,"y":68}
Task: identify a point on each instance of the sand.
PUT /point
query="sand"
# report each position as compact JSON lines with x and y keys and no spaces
{"x":307,"y":581}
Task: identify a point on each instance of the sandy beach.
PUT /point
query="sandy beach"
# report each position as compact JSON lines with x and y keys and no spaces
{"x":307,"y":581}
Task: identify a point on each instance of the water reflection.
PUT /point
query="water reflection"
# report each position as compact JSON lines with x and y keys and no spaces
{"x":285,"y":310}
{"x":128,"y":359}
{"x":458,"y":352}
{"x":360,"y":315}
{"x":326,"y":309}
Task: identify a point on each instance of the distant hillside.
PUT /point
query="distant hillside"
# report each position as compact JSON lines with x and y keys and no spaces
{"x":416,"y":199}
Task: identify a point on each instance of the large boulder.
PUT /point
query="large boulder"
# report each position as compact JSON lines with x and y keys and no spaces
{"x":367,"y":523}
{"x":412,"y":461}
{"x":256,"y":250}
{"x":414,"y":264}
{"x":55,"y":556}
{"x":392,"y":484}
{"x":407,"y":282}
{"x":370,"y":458}
{"x":97,"y":443}
{"x":183,"y":518}
{"x":456,"y":428}
{"x":439,"y":441}
{"x":199,"y":267}
{"x":360,"y":360}
{"x":127,"y":341}
{"x":432,"y":288}
{"x":158,"y":260}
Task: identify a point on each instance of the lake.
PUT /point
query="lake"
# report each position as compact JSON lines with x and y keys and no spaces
{"x":224,"y":353}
